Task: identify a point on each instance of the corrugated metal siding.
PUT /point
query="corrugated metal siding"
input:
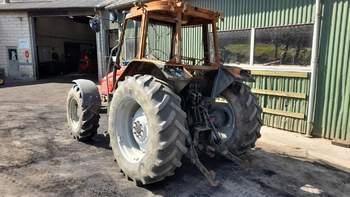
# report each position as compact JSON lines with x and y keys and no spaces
{"x":158,"y":42}
{"x":244,"y":14}
{"x":332,"y":116}
{"x":333,"y":98}
{"x":192,"y":42}
{"x":283,"y":103}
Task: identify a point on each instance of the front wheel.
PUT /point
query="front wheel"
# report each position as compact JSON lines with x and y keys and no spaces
{"x":237,"y":116}
{"x":147,"y":129}
{"x":83,"y":120}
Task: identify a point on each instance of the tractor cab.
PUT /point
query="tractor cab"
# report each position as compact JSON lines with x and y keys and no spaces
{"x":155,"y":32}
{"x":153,"y":37}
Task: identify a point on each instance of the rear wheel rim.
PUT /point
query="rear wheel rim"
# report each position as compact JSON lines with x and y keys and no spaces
{"x":139,"y":126}
{"x":223,"y":114}
{"x":132,"y":131}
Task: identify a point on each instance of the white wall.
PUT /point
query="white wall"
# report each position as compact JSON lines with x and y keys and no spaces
{"x":14,"y":26}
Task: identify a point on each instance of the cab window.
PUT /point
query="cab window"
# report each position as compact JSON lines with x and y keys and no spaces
{"x":131,"y":40}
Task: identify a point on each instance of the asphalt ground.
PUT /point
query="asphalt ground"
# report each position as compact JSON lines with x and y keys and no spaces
{"x":38,"y":157}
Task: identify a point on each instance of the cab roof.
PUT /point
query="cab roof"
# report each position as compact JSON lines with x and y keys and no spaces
{"x":167,"y":11}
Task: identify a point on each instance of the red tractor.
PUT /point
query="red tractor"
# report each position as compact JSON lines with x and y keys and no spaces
{"x":163,"y":105}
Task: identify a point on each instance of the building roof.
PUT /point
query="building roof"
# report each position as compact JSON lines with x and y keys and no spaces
{"x":110,"y":4}
{"x":52,"y":4}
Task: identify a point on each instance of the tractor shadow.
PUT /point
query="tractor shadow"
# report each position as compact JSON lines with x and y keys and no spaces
{"x":99,"y":141}
{"x":260,"y":173}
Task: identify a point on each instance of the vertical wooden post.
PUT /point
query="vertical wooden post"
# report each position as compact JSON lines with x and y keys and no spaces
{"x":178,"y":36}
{"x":144,"y":28}
{"x":216,"y":44}
{"x":205,"y":40}
{"x":252,"y":47}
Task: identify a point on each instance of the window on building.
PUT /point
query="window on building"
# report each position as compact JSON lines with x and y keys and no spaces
{"x":283,"y":46}
{"x":235,"y":47}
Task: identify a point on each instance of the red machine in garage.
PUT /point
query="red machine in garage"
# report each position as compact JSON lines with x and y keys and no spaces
{"x":88,"y":63}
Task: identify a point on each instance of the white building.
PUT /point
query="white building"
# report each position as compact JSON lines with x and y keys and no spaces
{"x":46,"y":38}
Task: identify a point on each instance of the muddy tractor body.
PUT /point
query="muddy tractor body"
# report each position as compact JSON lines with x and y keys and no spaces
{"x":163,"y":105}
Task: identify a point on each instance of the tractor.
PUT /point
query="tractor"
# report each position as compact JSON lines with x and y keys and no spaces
{"x":164,"y":99}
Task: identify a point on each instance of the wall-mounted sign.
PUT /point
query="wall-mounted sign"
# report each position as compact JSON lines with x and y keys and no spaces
{"x":24,"y":51}
{"x":23,"y":44}
{"x":26,"y":55}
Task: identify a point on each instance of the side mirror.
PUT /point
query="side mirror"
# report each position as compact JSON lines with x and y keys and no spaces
{"x":116,"y":18}
{"x":95,"y":24}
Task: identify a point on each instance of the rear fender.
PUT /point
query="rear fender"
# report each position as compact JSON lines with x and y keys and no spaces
{"x":157,"y":69}
{"x":89,"y":93}
{"x":227,"y":76}
{"x":135,"y":67}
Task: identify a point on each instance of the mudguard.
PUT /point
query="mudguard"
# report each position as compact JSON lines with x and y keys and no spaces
{"x":224,"y":78}
{"x":90,"y":94}
{"x":143,"y":67}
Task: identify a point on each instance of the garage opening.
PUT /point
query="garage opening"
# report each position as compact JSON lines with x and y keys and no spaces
{"x":65,"y":46}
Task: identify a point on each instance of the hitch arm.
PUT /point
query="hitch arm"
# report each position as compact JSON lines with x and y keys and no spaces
{"x":210,"y":175}
{"x":219,"y":145}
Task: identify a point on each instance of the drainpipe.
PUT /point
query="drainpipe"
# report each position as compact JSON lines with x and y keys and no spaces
{"x":102,"y":51}
{"x":314,"y":65}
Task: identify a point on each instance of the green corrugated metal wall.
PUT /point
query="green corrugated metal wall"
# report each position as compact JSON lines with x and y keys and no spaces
{"x":245,"y":14}
{"x":289,"y":106}
{"x":159,"y":41}
{"x":192,"y":40}
{"x":333,"y":98}
{"x":332,"y":116}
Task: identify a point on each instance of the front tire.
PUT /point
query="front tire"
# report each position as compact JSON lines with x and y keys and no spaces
{"x":82,"y":120}
{"x":147,"y":129}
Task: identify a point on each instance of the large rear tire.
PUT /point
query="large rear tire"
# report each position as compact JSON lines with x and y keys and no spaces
{"x":242,"y":119}
{"x":147,"y":129}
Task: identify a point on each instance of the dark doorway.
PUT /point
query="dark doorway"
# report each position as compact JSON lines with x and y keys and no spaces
{"x":72,"y":55}
{"x":66,"y":45}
